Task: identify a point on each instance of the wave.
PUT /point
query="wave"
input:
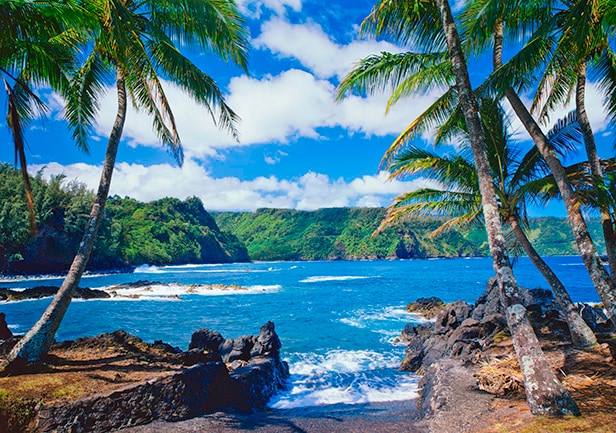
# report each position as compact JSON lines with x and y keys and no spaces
{"x":320,"y":279}
{"x":175,"y":291}
{"x":349,"y":377}
{"x":26,"y":278}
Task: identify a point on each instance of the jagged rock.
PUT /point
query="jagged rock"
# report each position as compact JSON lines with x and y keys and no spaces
{"x":48,"y":291}
{"x":206,"y":340}
{"x":427,"y":307}
{"x":241,"y":349}
{"x":258,"y":381}
{"x":5,"y":332}
{"x":595,"y":317}
{"x":489,"y":303}
{"x":165,"y":347}
{"x":267,"y":341}
{"x":452,"y":316}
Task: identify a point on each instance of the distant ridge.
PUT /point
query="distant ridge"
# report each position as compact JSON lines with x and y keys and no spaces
{"x":345,"y":234}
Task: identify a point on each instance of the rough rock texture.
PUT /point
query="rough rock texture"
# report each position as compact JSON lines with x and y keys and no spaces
{"x":427,"y":307}
{"x":207,"y":384}
{"x":5,"y":332}
{"x":450,"y":397}
{"x":48,"y":291}
{"x":196,"y":390}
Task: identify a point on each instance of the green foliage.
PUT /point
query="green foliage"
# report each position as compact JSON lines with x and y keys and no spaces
{"x":167,"y":231}
{"x":343,"y":234}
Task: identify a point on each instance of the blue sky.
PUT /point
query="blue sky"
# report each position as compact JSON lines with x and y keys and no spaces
{"x":298,"y":147}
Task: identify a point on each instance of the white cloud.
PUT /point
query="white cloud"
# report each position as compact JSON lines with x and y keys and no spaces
{"x":314,"y":49}
{"x":273,"y":109}
{"x":255,"y":8}
{"x":308,"y":192}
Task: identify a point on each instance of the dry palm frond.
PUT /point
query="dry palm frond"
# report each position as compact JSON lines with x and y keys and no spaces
{"x":500,"y":376}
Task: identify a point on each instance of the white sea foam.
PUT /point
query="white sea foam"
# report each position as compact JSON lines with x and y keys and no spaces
{"x":349,"y":377}
{"x":176,"y":291}
{"x":194,"y":269}
{"x":320,"y":279}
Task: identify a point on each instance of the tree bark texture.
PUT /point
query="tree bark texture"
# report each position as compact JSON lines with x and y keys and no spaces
{"x":39,"y":339}
{"x":581,"y":334}
{"x":544,"y":393}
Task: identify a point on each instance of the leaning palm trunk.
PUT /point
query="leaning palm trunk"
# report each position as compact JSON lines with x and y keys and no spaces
{"x":595,"y":166}
{"x":15,"y":124}
{"x":40,"y":338}
{"x":545,"y":394}
{"x":581,"y":334}
{"x":599,"y":276}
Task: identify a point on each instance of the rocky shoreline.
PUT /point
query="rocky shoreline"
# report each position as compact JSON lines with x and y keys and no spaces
{"x":214,"y":374}
{"x":454,"y":352}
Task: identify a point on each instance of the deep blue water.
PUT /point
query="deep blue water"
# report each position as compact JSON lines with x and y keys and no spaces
{"x":337,"y":320}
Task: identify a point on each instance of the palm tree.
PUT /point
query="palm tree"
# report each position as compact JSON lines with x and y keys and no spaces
{"x":137,"y":42}
{"x":430,"y":24}
{"x":584,"y":43}
{"x":516,"y":176}
{"x":515,"y":74}
{"x":38,"y":48}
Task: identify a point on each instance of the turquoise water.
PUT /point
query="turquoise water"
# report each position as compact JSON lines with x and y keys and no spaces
{"x":337,"y":320}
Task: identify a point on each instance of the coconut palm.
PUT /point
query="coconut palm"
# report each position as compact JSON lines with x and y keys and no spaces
{"x":38,"y":45}
{"x":516,"y":177}
{"x":137,"y":42}
{"x":585,"y":44}
{"x":603,"y":283}
{"x":431,"y":26}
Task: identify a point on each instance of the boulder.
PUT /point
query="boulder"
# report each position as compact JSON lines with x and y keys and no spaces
{"x":241,"y":349}
{"x":5,"y":332}
{"x":205,"y":339}
{"x":267,"y":341}
{"x":427,"y":307}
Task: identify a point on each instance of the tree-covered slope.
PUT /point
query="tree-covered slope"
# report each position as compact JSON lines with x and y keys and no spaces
{"x":345,"y":233}
{"x":166,"y":231}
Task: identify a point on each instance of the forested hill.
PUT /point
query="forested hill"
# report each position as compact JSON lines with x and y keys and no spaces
{"x":345,"y":233}
{"x":166,"y":231}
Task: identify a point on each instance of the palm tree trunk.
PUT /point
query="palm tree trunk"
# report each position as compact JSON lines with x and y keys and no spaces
{"x":18,"y":139}
{"x":545,"y":394}
{"x":39,"y":339}
{"x":599,"y":276}
{"x":595,"y":165}
{"x":581,"y":334}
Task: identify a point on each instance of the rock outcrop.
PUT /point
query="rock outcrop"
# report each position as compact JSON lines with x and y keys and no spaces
{"x":49,"y":291}
{"x":243,"y":379}
{"x":447,"y":350}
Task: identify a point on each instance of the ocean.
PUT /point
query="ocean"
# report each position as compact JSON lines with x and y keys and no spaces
{"x":337,"y":321}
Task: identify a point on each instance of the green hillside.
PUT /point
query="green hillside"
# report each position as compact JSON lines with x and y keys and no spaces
{"x":345,"y":233}
{"x":166,"y":231}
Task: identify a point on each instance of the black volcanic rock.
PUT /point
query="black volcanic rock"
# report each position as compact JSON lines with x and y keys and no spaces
{"x":5,"y":332}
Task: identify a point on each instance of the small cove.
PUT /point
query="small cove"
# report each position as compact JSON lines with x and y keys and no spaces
{"x":337,"y":320}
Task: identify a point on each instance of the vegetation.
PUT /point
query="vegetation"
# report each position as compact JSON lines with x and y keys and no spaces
{"x":166,"y":231}
{"x":139,"y":44}
{"x":346,"y":233}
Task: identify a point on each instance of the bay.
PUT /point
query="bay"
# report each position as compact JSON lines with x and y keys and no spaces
{"x":337,"y":320}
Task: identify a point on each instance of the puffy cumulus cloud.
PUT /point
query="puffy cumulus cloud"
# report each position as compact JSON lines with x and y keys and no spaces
{"x":273,"y":109}
{"x":199,"y":133}
{"x":308,"y":192}
{"x":314,"y":49}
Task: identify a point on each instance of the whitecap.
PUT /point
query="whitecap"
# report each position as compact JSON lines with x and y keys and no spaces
{"x":348,"y":377}
{"x":320,"y":279}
